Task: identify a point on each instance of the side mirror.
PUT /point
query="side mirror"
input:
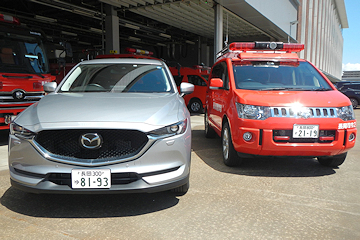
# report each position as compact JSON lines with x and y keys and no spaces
{"x":186,"y":88}
{"x":50,"y":87}
{"x":216,"y":83}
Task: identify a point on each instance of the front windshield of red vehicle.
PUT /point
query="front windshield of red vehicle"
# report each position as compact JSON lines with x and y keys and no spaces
{"x":291,"y":76}
{"x":22,"y":54}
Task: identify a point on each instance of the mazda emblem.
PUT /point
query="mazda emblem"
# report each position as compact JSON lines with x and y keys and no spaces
{"x":91,"y":140}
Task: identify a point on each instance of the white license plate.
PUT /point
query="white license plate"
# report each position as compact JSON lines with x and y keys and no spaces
{"x":306,"y":131}
{"x":90,"y":178}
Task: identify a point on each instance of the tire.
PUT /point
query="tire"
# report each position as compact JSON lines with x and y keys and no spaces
{"x":182,"y":190}
{"x":230,"y":155}
{"x":333,"y":161}
{"x":209,"y":131}
{"x":354,"y":102}
{"x":195,"y":106}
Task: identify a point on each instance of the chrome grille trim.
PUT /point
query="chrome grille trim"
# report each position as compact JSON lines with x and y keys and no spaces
{"x":315,"y":112}
{"x":89,"y":162}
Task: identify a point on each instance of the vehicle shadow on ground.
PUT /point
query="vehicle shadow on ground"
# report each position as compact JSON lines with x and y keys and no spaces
{"x":86,"y":206}
{"x":209,"y":150}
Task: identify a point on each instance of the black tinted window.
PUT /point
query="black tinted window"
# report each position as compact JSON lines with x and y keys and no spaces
{"x":178,"y":79}
{"x":196,"y":80}
{"x":353,"y":86}
{"x":220,"y":71}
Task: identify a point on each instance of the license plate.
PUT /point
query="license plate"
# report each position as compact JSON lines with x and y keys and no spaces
{"x":90,"y":178}
{"x":306,"y":131}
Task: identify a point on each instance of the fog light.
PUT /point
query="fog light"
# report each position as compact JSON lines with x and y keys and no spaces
{"x":351,"y":137}
{"x":247,"y":136}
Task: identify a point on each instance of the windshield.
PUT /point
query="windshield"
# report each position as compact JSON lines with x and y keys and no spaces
{"x":117,"y":78}
{"x":22,"y":54}
{"x":295,"y":76}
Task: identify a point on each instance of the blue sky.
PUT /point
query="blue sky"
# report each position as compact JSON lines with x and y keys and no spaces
{"x":351,"y":53}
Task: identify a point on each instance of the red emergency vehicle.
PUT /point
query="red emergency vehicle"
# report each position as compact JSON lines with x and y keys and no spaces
{"x":264,"y":100}
{"x":23,"y":68}
{"x":198,"y":76}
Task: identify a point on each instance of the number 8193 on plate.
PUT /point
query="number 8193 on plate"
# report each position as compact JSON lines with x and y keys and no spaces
{"x":90,"y":178}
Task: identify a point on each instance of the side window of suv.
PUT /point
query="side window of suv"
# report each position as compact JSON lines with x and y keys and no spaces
{"x":220,"y":71}
{"x":354,"y":86}
{"x":196,"y":80}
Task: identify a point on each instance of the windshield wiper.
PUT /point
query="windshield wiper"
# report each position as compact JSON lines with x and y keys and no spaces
{"x":321,"y":89}
{"x":15,"y":76}
{"x":281,"y":88}
{"x":38,"y":74}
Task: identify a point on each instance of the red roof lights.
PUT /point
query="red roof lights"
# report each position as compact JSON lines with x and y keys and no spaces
{"x":138,"y":51}
{"x":266,"y":46}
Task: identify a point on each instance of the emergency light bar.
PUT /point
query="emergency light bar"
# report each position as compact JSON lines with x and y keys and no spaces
{"x":9,"y":19}
{"x":266,"y":46}
{"x":138,"y":51}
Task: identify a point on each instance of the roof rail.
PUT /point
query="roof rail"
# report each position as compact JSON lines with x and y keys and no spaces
{"x":222,"y":52}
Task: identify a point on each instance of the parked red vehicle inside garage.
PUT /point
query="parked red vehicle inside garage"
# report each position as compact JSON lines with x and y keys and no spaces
{"x":24,"y":68}
{"x":197,"y":75}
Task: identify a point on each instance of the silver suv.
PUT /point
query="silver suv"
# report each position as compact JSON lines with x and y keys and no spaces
{"x":112,"y":125}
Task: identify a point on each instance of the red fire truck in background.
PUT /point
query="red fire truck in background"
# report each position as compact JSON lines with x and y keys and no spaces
{"x":197,"y":75}
{"x":24,"y":68}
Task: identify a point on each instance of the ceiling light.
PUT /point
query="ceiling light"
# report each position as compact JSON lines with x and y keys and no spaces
{"x":46,"y":19}
{"x":82,"y":12}
{"x":96,"y":30}
{"x":69,"y":33}
{"x":134,"y":38}
{"x":132,"y":26}
{"x":164,"y":35}
{"x":161,"y":44}
{"x":84,"y":43}
{"x":190,"y":42}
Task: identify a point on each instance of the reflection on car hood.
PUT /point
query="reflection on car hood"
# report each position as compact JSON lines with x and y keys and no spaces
{"x":143,"y":111}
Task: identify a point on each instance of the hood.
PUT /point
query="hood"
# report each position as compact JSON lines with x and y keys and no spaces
{"x":141,"y":111}
{"x":331,"y":98}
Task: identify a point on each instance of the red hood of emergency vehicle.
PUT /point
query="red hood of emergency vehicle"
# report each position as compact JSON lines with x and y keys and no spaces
{"x":332,"y":98}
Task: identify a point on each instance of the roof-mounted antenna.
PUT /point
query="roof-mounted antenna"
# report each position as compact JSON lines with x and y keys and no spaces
{"x":227,"y":30}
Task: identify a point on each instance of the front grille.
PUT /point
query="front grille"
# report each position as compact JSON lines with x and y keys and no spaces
{"x":316,"y":112}
{"x":7,"y":97}
{"x":289,"y":133}
{"x":116,"y":144}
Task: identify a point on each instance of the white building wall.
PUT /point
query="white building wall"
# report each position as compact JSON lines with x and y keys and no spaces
{"x":271,"y":10}
{"x":321,"y":31}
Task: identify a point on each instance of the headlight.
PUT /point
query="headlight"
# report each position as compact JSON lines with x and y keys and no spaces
{"x":174,"y":129}
{"x":252,"y":112}
{"x":20,"y":131}
{"x":346,"y":113}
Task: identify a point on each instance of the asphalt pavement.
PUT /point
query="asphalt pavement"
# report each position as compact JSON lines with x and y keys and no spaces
{"x":265,"y":198}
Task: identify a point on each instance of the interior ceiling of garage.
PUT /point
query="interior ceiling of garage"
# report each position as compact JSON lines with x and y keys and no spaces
{"x":150,"y":22}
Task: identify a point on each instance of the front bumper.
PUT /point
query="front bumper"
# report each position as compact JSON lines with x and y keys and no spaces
{"x":164,"y":166}
{"x":9,"y":111}
{"x":264,"y":143}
